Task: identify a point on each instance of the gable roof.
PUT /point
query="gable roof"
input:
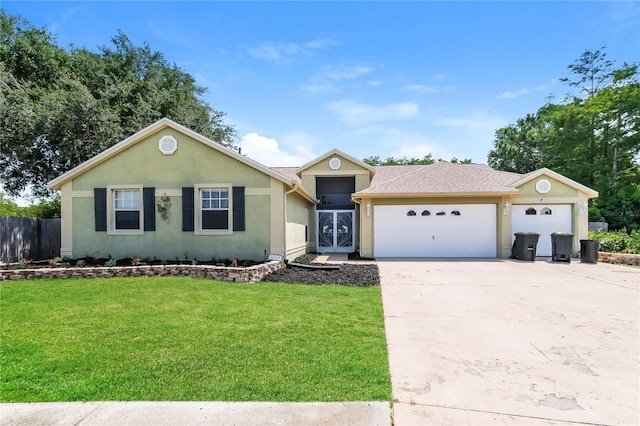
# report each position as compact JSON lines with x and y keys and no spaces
{"x":440,"y":178}
{"x":557,"y":176}
{"x":333,"y":152}
{"x":156,"y":127}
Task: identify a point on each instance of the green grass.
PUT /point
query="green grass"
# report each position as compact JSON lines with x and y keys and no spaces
{"x":182,"y":339}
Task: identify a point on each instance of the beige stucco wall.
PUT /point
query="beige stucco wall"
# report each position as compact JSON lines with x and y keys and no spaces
{"x":298,"y":219}
{"x":348,"y":168}
{"x":192,"y":164}
{"x":560,"y":193}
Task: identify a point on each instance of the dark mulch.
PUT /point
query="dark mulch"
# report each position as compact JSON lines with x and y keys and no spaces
{"x":348,"y":274}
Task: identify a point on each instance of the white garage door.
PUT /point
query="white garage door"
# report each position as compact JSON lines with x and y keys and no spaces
{"x":452,"y":230}
{"x":543,"y":220}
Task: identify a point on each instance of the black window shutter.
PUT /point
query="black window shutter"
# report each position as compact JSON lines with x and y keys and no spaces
{"x":187,"y":209}
{"x":238,"y":208}
{"x":100,"y":208}
{"x":149,"y":205}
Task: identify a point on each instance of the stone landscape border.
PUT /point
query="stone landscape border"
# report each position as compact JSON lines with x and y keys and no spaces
{"x":621,"y":258}
{"x":250,"y":274}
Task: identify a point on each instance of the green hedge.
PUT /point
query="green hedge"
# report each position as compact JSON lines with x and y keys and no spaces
{"x":618,"y":241}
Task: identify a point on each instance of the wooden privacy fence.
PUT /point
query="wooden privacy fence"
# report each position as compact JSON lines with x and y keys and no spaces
{"x":29,"y":238}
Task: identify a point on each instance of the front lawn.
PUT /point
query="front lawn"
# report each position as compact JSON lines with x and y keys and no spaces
{"x":160,"y":338}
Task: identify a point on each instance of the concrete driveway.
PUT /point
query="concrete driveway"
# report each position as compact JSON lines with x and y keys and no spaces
{"x":509,"y":342}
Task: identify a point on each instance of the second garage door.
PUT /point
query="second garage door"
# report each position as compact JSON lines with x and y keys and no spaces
{"x":452,"y":230}
{"x":543,"y":220}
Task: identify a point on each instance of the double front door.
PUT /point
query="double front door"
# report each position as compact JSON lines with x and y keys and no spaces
{"x":335,"y":231}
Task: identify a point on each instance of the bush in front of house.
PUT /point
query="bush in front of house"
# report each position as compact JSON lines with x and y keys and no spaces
{"x":619,"y":241}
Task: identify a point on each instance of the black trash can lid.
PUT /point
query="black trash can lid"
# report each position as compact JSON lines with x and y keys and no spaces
{"x":568,"y":234}
{"x":526,"y":233}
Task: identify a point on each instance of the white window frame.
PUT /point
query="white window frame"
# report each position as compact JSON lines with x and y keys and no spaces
{"x":111,"y":210}
{"x":198,"y":209}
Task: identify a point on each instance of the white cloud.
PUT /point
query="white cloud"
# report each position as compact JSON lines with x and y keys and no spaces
{"x":359,"y":113}
{"x":525,"y":90}
{"x":420,"y":88}
{"x":475,"y":121}
{"x":322,"y":43}
{"x":439,"y":77}
{"x":340,"y":72}
{"x":316,"y":88}
{"x":509,"y":94}
{"x":424,"y":89}
{"x":325,"y":80}
{"x":267,"y":151}
{"x":277,"y":52}
{"x":283,"y":51}
{"x":375,"y":83}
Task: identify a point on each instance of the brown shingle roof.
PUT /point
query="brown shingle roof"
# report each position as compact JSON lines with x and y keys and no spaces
{"x":289,"y":172}
{"x":441,"y":178}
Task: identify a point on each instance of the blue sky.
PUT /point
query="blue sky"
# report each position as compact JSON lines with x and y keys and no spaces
{"x":369,"y":78}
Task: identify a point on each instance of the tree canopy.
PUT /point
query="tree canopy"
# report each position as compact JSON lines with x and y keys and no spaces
{"x":591,"y":137}
{"x":43,"y":208}
{"x":404,"y":161}
{"x":59,"y":107}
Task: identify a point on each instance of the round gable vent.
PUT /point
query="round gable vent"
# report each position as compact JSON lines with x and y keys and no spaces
{"x":543,"y":186}
{"x":335,"y":163}
{"x":168,"y":145}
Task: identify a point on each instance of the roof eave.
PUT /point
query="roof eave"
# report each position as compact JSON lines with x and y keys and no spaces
{"x":360,"y":195}
{"x":57,"y":183}
{"x":335,"y":151}
{"x":591,"y":193}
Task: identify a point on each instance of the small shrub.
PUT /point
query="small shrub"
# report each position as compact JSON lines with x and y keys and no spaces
{"x":80,"y":263}
{"x":54,"y":262}
{"x":618,"y":241}
{"x":110,"y":263}
{"x":136,"y":261}
{"x":22,"y":264}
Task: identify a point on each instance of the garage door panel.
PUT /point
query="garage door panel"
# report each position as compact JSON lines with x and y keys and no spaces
{"x":558,"y":221}
{"x":470,"y":234}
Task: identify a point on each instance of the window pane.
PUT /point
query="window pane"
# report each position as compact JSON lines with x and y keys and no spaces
{"x":215,"y":219}
{"x":126,"y":199}
{"x":127,"y":219}
{"x":224,"y":204}
{"x":215,"y":204}
{"x":206,"y":204}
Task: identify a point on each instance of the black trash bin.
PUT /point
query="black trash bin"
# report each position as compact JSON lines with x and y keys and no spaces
{"x":524,"y":247}
{"x":589,"y":251}
{"x":561,"y":244}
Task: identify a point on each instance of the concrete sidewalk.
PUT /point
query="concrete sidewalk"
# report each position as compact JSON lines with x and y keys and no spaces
{"x":195,"y":413}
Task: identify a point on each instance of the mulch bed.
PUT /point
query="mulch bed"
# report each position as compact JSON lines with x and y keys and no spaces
{"x":351,"y":274}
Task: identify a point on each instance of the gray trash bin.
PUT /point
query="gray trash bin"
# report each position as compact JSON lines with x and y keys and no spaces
{"x":589,"y":251}
{"x":561,"y":244}
{"x":524,"y":247}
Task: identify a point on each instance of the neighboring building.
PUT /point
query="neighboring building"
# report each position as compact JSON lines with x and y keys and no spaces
{"x":168,"y":192}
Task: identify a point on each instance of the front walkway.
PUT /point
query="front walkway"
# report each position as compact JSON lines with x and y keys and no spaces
{"x":509,"y":342}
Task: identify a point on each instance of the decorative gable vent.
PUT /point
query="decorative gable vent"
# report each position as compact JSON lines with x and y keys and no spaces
{"x":168,"y":145}
{"x":543,"y":186}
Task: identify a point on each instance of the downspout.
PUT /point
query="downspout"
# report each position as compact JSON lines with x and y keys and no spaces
{"x":284,"y":228}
